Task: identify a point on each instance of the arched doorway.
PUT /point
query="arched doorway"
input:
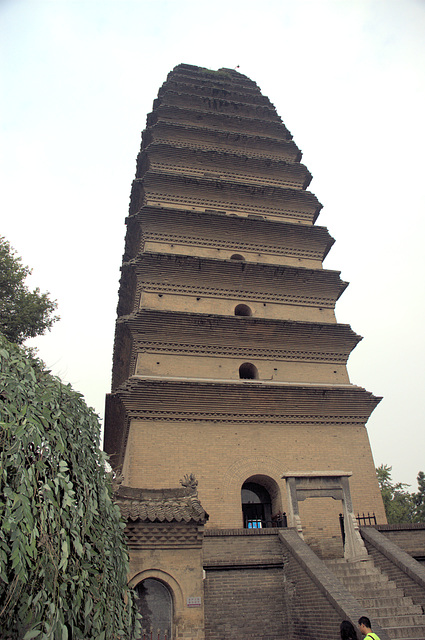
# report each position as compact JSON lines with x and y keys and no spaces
{"x":256,"y":506}
{"x":156,"y":606}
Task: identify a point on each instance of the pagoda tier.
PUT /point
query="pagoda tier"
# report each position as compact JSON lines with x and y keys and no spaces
{"x":216,"y":91}
{"x":194,"y":136}
{"x":250,"y":402}
{"x":158,"y":230}
{"x":227,"y":78}
{"x":199,"y":194}
{"x":234,"y":106}
{"x":229,"y":280}
{"x":221,"y":121}
{"x":152,"y":342}
{"x":217,"y":402}
{"x":228,"y":167}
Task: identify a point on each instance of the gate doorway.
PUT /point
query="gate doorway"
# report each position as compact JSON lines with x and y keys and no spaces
{"x":256,"y":506}
{"x":156,"y":606}
{"x":326,"y":484}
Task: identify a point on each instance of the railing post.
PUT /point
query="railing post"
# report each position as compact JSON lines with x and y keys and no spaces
{"x":341,"y":524}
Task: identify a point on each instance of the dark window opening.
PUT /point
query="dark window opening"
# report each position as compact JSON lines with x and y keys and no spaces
{"x":248,"y":371}
{"x":237,"y":256}
{"x":243,"y":310}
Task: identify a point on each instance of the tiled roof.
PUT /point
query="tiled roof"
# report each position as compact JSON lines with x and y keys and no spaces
{"x":162,"y":505}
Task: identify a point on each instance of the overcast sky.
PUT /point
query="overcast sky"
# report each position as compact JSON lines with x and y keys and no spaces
{"x":348,"y":79}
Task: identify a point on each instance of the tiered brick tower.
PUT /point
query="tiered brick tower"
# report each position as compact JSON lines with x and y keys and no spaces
{"x":228,"y":360}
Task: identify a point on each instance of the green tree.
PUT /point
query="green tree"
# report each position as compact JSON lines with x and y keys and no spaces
{"x":419,"y":499}
{"x":398,"y":502}
{"x":23,"y":313}
{"x":63,"y":557}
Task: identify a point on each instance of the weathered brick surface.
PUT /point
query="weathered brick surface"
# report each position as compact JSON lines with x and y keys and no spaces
{"x":245,"y":603}
{"x":312,"y":615}
{"x":242,"y":547}
{"x":244,"y":588}
{"x":224,"y":455}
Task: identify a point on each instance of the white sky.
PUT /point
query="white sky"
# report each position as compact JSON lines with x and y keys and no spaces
{"x":348,"y":79}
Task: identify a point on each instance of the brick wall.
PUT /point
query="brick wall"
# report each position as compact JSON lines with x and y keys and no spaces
{"x":409,"y":537}
{"x":245,"y":603}
{"x":312,"y":616}
{"x":232,"y":453}
{"x":244,"y":587}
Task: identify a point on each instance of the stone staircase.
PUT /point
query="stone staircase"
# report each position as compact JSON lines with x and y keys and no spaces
{"x":385,"y":603}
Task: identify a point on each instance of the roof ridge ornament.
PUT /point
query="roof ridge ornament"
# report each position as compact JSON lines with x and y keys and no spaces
{"x":190,"y":482}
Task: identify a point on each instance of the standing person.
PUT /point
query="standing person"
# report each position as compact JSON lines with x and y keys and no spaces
{"x":347,"y":631}
{"x":366,"y":629}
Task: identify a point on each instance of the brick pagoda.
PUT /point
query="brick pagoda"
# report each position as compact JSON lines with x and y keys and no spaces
{"x":229,"y":370}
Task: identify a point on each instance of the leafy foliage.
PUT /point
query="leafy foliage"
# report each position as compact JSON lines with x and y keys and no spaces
{"x":419,"y":498}
{"x":63,"y":560}
{"x":23,"y":313}
{"x":401,"y":505}
{"x":397,"y":500}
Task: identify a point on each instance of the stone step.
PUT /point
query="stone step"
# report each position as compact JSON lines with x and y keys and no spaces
{"x":391,"y":591}
{"x":400,"y":620}
{"x":348,"y":569}
{"x":330,"y":561}
{"x":366,"y":574}
{"x":365,"y":580}
{"x":342,"y":562}
{"x":361,"y":574}
{"x":381,"y":598}
{"x":392,"y":602}
{"x":379,"y":611}
{"x":403,"y":633}
{"x":376,"y":591}
{"x":348,"y":573}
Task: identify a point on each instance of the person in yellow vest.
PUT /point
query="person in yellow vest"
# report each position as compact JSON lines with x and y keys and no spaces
{"x":366,"y":629}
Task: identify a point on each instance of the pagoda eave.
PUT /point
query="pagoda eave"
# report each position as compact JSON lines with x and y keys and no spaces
{"x":232,"y":106}
{"x":195,"y":136}
{"x":225,"y":165}
{"x":228,"y":122}
{"x":208,"y":229}
{"x":188,"y":275}
{"x":249,"y":399}
{"x":220,"y":92}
